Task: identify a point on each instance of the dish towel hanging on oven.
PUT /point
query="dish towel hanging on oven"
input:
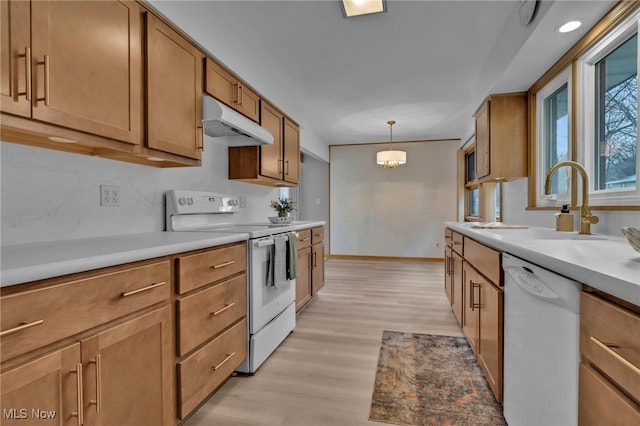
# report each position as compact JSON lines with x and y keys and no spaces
{"x":277,"y":275}
{"x":292,"y":257}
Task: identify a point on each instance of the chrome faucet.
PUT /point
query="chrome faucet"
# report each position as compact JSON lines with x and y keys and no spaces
{"x":586,"y":218}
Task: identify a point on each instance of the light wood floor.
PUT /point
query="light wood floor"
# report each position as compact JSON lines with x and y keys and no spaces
{"x":323,"y":373}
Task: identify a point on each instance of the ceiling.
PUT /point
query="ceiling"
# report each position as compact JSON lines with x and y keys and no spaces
{"x":425,"y":64}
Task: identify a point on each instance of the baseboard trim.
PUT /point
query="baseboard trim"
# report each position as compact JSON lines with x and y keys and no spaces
{"x":384,"y":258}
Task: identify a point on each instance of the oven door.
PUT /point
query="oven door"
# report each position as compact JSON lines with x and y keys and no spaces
{"x":265,"y":301}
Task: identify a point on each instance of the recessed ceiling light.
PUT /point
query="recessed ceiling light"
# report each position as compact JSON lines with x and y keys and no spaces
{"x":151,"y":158}
{"x":61,"y":140}
{"x":362,"y":7}
{"x":569,"y":26}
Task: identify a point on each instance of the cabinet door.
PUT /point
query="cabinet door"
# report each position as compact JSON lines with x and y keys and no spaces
{"x":221,"y":84}
{"x":303,"y":281}
{"x":482,"y":141}
{"x":87,"y":66}
{"x":470,"y":316}
{"x":15,"y":25}
{"x":457,"y":292}
{"x":448,"y":274}
{"x":271,"y":155}
{"x":317,"y":279}
{"x":44,"y":391}
{"x":174,"y":92}
{"x":128,"y":376}
{"x":291,"y":151}
{"x":490,"y":356}
{"x":248,"y":102}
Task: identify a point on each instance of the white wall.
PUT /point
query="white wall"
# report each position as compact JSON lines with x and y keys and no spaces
{"x":515,"y":200}
{"x":392,"y":212}
{"x":51,"y":195}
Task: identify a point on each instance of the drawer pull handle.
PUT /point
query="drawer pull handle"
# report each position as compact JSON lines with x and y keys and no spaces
{"x":616,"y":355}
{"x":140,"y":290}
{"x":222,"y":265}
{"x":21,"y":327}
{"x":219,"y":311}
{"x":305,"y":239}
{"x":224,"y":361}
{"x":80,"y":413}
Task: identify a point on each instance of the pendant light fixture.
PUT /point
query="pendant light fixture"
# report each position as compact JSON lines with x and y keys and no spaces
{"x":391,"y":159}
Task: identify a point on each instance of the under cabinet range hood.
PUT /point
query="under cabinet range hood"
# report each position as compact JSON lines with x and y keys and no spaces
{"x":221,"y":121}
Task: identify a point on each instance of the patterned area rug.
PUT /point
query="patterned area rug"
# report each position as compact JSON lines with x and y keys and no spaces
{"x":424,"y":379}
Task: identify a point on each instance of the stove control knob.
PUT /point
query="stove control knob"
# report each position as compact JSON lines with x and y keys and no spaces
{"x":182,"y":201}
{"x":190,"y":201}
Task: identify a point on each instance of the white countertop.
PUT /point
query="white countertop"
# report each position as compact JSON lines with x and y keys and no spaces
{"x":23,"y":263}
{"x":608,"y":263}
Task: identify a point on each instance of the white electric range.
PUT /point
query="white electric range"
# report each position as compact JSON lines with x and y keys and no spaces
{"x":271,"y":306}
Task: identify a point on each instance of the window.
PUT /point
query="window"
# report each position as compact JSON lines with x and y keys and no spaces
{"x":472,"y":190}
{"x":553,"y":137}
{"x":609,"y":127}
{"x":616,"y":111}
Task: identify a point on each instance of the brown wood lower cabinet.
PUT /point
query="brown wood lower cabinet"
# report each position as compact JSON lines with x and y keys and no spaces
{"x":609,"y":380}
{"x":482,"y":325}
{"x":303,"y":281}
{"x":127,"y":378}
{"x":317,"y":259}
{"x":121,"y":376}
{"x":46,"y":388}
{"x":477,"y":302}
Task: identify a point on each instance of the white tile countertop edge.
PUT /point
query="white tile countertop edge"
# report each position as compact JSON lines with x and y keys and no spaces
{"x":610,"y":265}
{"x":23,"y":263}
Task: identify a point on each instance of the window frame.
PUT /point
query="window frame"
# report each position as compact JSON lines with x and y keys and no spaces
{"x":609,"y":22}
{"x":552,"y":87}
{"x":470,"y":185}
{"x":586,"y":65}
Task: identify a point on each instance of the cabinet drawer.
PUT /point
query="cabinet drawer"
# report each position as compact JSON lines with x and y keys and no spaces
{"x":49,"y":314}
{"x":484,"y":259}
{"x":456,"y":242}
{"x":317,"y":234}
{"x":206,"y":369}
{"x":304,"y":239}
{"x":204,"y":314}
{"x":599,"y":403}
{"x":200,"y":269}
{"x":610,"y":340}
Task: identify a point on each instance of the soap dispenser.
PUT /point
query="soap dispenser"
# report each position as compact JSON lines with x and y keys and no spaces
{"x":564,"y":219}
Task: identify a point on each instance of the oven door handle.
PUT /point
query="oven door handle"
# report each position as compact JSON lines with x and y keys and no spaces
{"x":265,"y":243}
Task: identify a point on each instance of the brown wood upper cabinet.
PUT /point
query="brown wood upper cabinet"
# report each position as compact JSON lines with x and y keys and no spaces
{"x":174,"y":93}
{"x":273,"y":165}
{"x":75,"y":64}
{"x":501,"y":137}
{"x":226,"y":88}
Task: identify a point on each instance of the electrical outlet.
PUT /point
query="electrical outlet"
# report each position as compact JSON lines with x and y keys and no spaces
{"x":109,"y":196}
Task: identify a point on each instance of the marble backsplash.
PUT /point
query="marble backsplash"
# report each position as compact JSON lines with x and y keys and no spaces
{"x":50,"y":195}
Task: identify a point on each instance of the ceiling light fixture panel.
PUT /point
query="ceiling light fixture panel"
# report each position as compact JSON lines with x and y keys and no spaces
{"x":352,"y":8}
{"x":569,"y":26}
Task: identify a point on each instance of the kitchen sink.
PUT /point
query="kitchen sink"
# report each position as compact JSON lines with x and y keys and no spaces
{"x":542,"y":234}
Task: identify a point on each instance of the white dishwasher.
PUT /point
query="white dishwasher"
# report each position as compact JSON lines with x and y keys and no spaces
{"x":541,"y":354}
